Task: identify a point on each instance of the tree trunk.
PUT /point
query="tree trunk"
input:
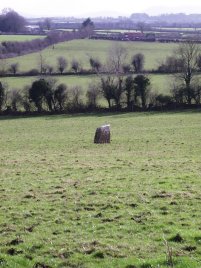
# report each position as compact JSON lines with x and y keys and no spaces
{"x":128,"y":102}
{"x":188,"y":86}
{"x":109,"y":103}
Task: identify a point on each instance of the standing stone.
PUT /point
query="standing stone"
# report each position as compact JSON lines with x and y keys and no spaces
{"x":102,"y":134}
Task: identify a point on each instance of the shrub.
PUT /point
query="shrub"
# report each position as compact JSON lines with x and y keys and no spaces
{"x":33,"y":72}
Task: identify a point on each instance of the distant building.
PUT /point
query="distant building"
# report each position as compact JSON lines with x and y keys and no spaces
{"x":33,"y":29}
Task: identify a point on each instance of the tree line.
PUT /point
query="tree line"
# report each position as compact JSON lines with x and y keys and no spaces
{"x":63,"y":66}
{"x":45,"y":94}
{"x":11,"y":21}
{"x":120,"y":90}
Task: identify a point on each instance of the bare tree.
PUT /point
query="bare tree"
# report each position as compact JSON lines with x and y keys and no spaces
{"x":50,"y":69}
{"x":116,"y":58}
{"x":126,"y":68}
{"x":15,"y":99}
{"x":197,"y":94}
{"x":93,"y":94}
{"x":199,"y":61}
{"x":107,"y":86}
{"x":14,"y":68}
{"x":3,"y":66}
{"x":75,"y":65}
{"x":141,"y":25}
{"x":117,"y":91}
{"x":95,"y":64}
{"x":188,"y":53}
{"x":2,"y":96}
{"x":47,"y":23}
{"x":25,"y":99}
{"x":129,"y":90}
{"x":60,"y":96}
{"x":112,"y":89}
{"x":171,"y":65}
{"x":112,"y":84}
{"x":87,"y":28}
{"x":76,"y":93}
{"x":42,"y":64}
{"x":138,"y":62}
{"x":178,"y":93}
{"x":62,"y":64}
{"x":142,"y":84}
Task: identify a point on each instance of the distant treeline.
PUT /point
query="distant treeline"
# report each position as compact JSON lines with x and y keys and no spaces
{"x":132,"y":22}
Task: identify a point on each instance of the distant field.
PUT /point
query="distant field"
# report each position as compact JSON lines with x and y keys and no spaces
{"x":19,"y":38}
{"x":66,"y":202}
{"x":160,"y":83}
{"x":154,"y":28}
{"x":83,"y":49}
{"x":114,"y":30}
{"x":178,"y":29}
{"x":83,"y":81}
{"x":66,"y":30}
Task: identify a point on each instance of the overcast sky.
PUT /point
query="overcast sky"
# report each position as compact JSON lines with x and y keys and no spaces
{"x":83,"y":8}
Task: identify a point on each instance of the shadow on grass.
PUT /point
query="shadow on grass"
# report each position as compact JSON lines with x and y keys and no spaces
{"x":47,"y":116}
{"x":74,"y":115}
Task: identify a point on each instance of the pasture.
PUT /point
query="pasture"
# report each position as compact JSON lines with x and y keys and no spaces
{"x":159,"y":83}
{"x":82,"y":50}
{"x":19,"y":38}
{"x":66,"y":202}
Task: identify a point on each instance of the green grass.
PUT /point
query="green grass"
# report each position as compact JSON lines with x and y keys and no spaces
{"x":66,"y":202}
{"x":19,"y":38}
{"x":20,"y":82}
{"x":83,"y":49}
{"x":160,"y":83}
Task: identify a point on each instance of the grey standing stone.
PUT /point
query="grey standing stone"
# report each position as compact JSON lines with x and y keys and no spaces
{"x":102,"y":134}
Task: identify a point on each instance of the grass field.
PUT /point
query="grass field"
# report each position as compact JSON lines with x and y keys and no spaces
{"x":159,"y":83}
{"x":19,"y":38}
{"x":83,"y":49}
{"x":66,"y":202}
{"x":20,"y":82}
